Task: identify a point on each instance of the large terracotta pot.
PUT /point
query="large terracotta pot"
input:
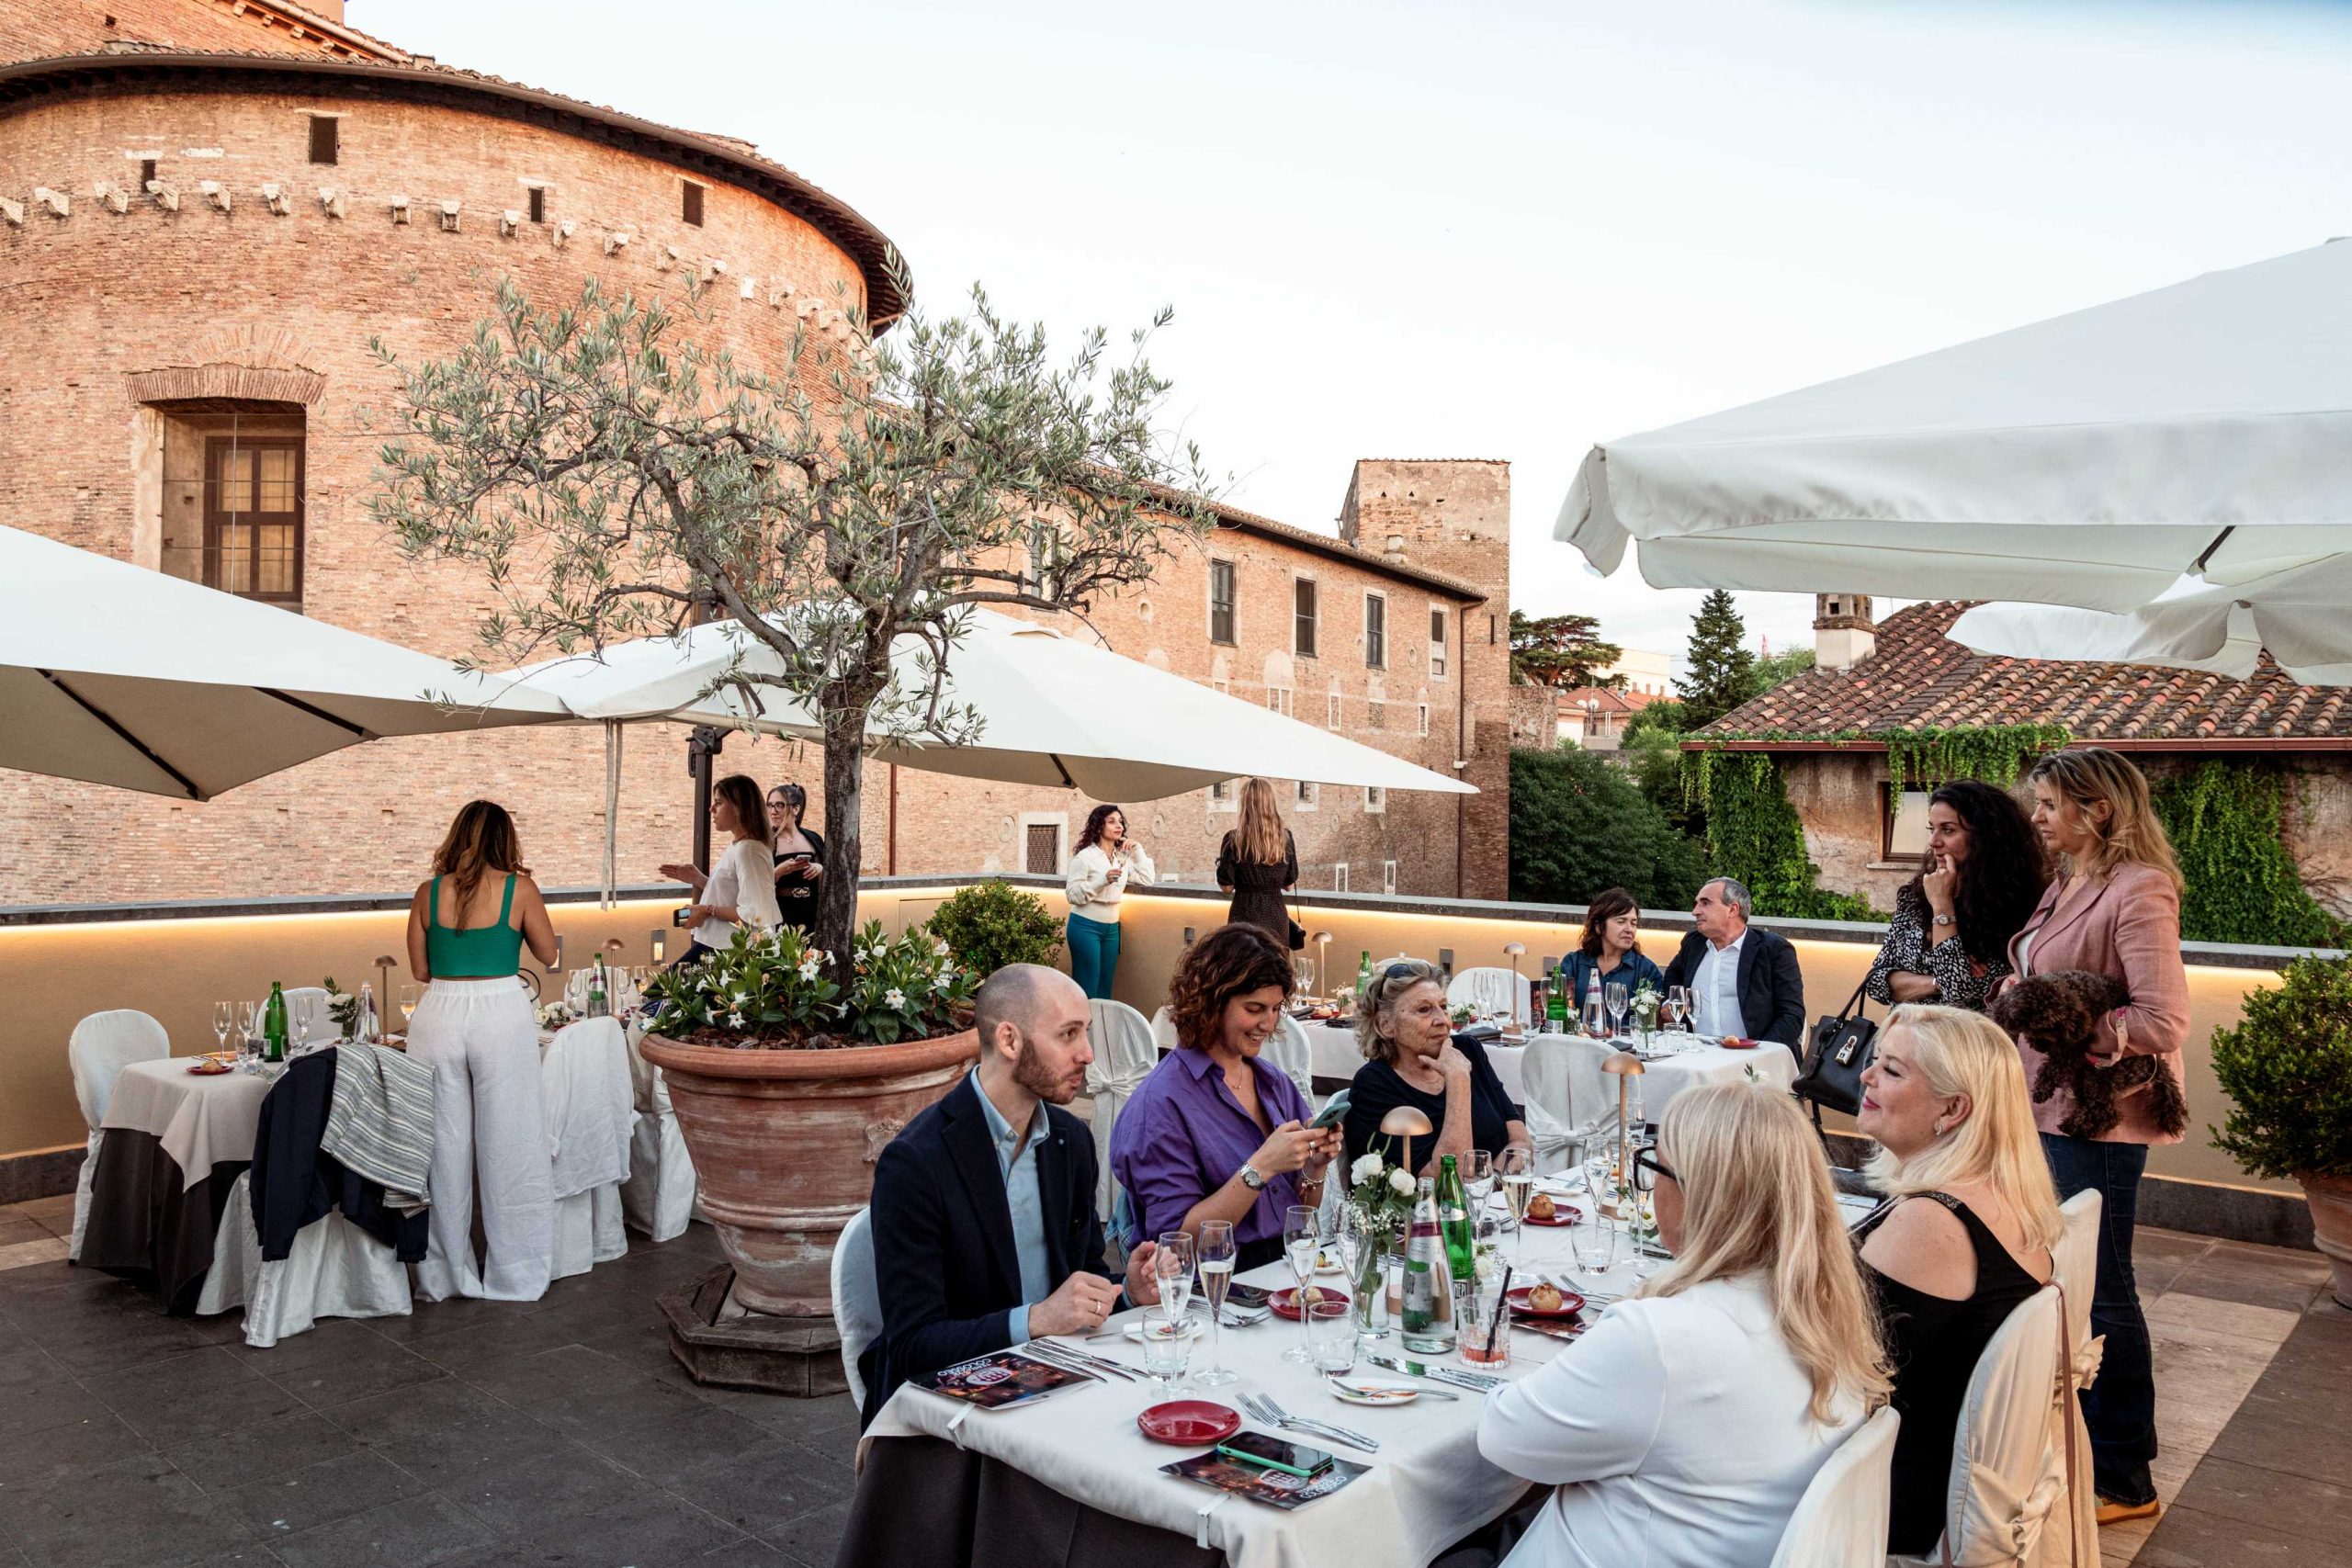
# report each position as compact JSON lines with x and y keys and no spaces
{"x":784,"y":1146}
{"x":2331,"y":1198}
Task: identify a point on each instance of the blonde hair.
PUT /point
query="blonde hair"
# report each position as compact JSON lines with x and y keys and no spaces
{"x":1757,"y":1199}
{"x":1259,"y":839}
{"x":1958,"y":1051}
{"x":1381,"y":1001}
{"x":2089,"y":776}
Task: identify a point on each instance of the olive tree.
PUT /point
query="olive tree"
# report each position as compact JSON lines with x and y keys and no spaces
{"x":614,"y":476}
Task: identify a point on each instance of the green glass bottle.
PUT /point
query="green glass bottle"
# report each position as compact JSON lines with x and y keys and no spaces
{"x":273,"y":1024}
{"x":1454,"y":1221}
{"x":1428,"y":1283}
{"x":1363,"y":976}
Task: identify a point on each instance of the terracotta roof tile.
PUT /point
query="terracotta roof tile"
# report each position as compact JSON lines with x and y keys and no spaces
{"x":1920,"y":679}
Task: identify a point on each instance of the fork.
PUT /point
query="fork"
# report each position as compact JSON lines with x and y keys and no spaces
{"x":1264,"y":1407}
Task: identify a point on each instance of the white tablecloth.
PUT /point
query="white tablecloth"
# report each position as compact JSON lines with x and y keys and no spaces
{"x":199,"y":1120}
{"x":1661,"y":1080}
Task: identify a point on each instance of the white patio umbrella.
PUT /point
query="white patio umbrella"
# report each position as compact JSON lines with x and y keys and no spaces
{"x":1058,"y":712}
{"x":2297,"y":615}
{"x":117,"y":675}
{"x":2090,"y":460}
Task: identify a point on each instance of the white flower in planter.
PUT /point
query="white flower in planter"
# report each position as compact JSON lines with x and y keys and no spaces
{"x":1367,"y":1165}
{"x":939,"y":946}
{"x":735,"y":1020}
{"x":894,"y":999}
{"x":1401,"y":1183}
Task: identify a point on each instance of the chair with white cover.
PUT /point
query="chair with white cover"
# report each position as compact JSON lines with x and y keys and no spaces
{"x":2074,"y":1271}
{"x":1493,"y":990}
{"x":591,"y":1111}
{"x":2006,"y":1503}
{"x":100,"y":1048}
{"x":857,"y":1298}
{"x":335,"y":1270}
{"x":1568,"y":1100}
{"x":1841,"y":1520}
{"x":1289,"y":1049}
{"x":1163,"y":1030}
{"x":1124,"y":1055}
{"x":658,"y":1199}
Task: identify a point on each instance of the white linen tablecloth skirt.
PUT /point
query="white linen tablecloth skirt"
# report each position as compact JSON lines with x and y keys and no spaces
{"x":482,"y":1040}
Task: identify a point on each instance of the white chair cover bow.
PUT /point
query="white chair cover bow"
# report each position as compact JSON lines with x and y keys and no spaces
{"x":100,"y":1047}
{"x":1841,"y":1522}
{"x":1124,"y":1055}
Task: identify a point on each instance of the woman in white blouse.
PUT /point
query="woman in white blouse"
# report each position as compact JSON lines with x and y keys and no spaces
{"x":1106,"y":861}
{"x":1684,"y":1425}
{"x":740,"y":890}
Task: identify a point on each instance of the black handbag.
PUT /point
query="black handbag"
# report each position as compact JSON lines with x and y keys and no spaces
{"x":1842,"y":1048}
{"x":1297,"y":932}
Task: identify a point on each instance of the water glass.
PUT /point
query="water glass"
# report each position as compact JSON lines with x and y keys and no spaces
{"x":1593,"y":1244}
{"x":1331,"y":1336}
{"x":1165,"y":1356}
{"x":1484,"y":1316}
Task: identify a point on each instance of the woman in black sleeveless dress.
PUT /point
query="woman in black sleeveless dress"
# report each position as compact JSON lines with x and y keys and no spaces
{"x":1257,"y":861}
{"x":1965,"y":1239}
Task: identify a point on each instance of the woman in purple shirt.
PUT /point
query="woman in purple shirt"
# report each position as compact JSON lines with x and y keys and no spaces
{"x":1208,"y":1136}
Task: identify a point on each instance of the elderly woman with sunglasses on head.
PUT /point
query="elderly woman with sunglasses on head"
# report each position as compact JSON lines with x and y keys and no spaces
{"x":1412,"y":1057}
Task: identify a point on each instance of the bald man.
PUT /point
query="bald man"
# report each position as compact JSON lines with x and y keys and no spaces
{"x":985,"y":1233}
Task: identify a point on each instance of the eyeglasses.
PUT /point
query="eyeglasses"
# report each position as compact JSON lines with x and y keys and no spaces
{"x":1649,"y":1167}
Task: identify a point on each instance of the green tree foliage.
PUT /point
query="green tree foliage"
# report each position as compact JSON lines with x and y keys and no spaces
{"x":1665,"y":717}
{"x":988,"y":925}
{"x":2287,"y":1069}
{"x":1580,"y":825}
{"x":1753,"y":834}
{"x":2224,"y":822}
{"x":612,"y":477}
{"x":1773,"y":669}
{"x":1561,"y":651}
{"x":1722,"y":672}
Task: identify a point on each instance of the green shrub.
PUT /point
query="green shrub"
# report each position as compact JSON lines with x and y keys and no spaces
{"x":990,"y":924}
{"x":1580,"y":825}
{"x":2224,"y":822}
{"x":2288,"y":1069}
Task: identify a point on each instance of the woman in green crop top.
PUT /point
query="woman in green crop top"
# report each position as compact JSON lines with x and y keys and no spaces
{"x":476,"y":1028}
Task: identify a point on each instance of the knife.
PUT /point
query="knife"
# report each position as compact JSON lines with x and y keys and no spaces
{"x":1477,"y":1382}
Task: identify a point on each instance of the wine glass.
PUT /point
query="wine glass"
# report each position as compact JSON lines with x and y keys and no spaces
{"x":1515,"y":1166}
{"x":1675,"y":1007}
{"x":1215,"y":1256}
{"x":1355,"y":1245}
{"x":224,"y":1015}
{"x":248,"y":1031}
{"x":1613,"y":996}
{"x":1300,"y":1242}
{"x":408,"y":1001}
{"x":1478,"y":1178}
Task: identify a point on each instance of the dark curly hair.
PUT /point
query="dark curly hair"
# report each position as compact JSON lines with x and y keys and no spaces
{"x":1092,"y":834}
{"x":2001,"y":880}
{"x":1604,"y":907}
{"x":1231,"y":961}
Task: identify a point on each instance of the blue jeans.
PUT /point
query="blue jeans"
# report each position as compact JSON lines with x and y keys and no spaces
{"x":2121,"y":1411}
{"x":1093,"y":955}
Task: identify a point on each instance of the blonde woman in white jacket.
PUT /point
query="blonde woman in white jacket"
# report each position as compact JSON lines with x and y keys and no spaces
{"x":1106,"y":863}
{"x":1686,"y":1423}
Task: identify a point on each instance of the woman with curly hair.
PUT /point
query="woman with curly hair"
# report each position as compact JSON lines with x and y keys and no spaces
{"x":1210,"y":1135}
{"x":1949,"y":942}
{"x":1106,"y":861}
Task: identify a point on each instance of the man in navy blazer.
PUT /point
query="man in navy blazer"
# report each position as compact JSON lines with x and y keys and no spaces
{"x":985,"y":1233}
{"x":1727,"y":958}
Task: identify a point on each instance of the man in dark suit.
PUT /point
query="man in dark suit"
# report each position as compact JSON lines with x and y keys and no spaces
{"x":1743,"y":981}
{"x":984,"y":1227}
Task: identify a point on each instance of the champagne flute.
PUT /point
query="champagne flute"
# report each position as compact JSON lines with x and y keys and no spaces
{"x":248,"y":1030}
{"x":1355,"y":1248}
{"x":1613,"y":998}
{"x":224,"y":1014}
{"x":1300,"y":1242}
{"x":1478,"y":1178}
{"x":1677,"y":1006}
{"x":408,"y":1001}
{"x":1216,"y":1254}
{"x":1517,"y":1173}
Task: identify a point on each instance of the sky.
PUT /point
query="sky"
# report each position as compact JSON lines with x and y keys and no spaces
{"x":1499,"y":230}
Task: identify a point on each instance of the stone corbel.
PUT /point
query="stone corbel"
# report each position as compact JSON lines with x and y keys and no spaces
{"x":509,"y":223}
{"x":13,"y":211}
{"x":562,"y":233}
{"x":748,"y":288}
{"x":665,"y":258}
{"x":114,"y":196}
{"x":273,"y":196}
{"x":166,"y":196}
{"x":778,"y":292}
{"x":332,"y":201}
{"x":617,"y":240}
{"x":214,"y":192}
{"x":56,"y":203}
{"x":449,"y":217}
{"x":713,"y":268}
{"x":400,"y":209}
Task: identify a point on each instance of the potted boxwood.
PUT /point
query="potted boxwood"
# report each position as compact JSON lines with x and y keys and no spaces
{"x":2288,"y":1067}
{"x":988,"y":925}
{"x":788,"y":1083}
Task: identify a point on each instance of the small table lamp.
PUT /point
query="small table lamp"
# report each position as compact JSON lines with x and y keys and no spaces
{"x":1516,"y":950}
{"x":1627,"y":1067}
{"x":1406,"y":1123}
{"x":1322,"y":958}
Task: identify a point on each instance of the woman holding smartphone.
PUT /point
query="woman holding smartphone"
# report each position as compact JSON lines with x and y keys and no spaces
{"x":800,"y":857}
{"x":1107,"y":862}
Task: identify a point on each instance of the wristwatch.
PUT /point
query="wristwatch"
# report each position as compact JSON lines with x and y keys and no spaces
{"x":1251,"y":1179}
{"x":1943,"y":920}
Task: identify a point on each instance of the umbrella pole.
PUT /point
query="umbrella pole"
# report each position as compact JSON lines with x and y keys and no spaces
{"x":701,"y":748}
{"x":612,"y":811}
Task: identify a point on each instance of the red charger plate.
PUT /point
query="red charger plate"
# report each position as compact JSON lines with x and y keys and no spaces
{"x":1562,"y":1217}
{"x":1733,"y":1042}
{"x":1189,"y":1423}
{"x":1571,"y":1303}
{"x":206,"y":1067}
{"x":1286,"y":1301}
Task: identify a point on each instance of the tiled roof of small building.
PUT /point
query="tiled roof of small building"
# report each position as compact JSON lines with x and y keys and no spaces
{"x":1920,"y":679}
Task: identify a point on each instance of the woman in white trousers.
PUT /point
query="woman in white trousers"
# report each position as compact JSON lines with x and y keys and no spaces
{"x":476,"y":1028}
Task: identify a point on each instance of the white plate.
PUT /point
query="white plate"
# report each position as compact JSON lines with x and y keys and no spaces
{"x":1373,"y":1391}
{"x":1159,"y":1328}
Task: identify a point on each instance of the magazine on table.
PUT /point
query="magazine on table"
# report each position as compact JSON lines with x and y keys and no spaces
{"x":1270,"y":1487}
{"x":1000,"y":1380}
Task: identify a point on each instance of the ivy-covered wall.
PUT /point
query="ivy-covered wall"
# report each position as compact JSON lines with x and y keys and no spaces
{"x":2225,"y":822}
{"x":1754,"y":834}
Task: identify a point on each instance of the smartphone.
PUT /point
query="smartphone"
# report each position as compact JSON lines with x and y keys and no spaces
{"x":678,"y":916}
{"x":1274,"y":1453}
{"x":1332,"y":1114}
{"x":1241,"y":1295}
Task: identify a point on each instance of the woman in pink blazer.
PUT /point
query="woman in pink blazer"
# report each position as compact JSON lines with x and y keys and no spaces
{"x":2114,"y":909}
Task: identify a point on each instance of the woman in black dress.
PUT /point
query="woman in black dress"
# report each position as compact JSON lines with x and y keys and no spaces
{"x":800,"y":857}
{"x":1257,"y":862}
{"x":1949,"y":941}
{"x":1963,"y":1240}
{"x":1412,"y":1057}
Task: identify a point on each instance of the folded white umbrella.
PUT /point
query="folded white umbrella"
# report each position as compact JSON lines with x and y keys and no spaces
{"x":117,"y":675}
{"x":1055,"y":710}
{"x":2090,"y":460}
{"x":2297,"y":615}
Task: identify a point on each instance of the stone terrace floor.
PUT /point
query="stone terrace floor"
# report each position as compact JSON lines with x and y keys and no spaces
{"x":476,"y":1434}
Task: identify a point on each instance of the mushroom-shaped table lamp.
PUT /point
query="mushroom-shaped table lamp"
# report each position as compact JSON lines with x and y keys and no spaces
{"x":1406,"y":1123}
